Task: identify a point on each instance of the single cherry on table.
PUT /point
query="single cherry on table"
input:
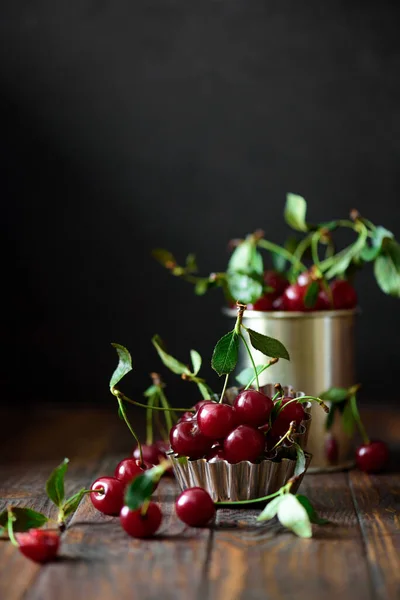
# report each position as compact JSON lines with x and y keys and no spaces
{"x":40,"y":545}
{"x":372,"y":457}
{"x":195,"y":507}
{"x":139,"y":525}
{"x":108,"y":495}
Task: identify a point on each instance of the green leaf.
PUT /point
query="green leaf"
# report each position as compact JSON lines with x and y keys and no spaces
{"x":312,"y":513}
{"x":311,"y":295}
{"x":348,"y":421}
{"x":334,"y":394}
{"x":72,"y":503}
{"x":330,"y":417}
{"x":124,"y":365}
{"x":379,"y":235}
{"x":247,"y":374}
{"x":164,"y":257}
{"x":202,"y":286}
{"x":267,"y":345}
{"x":169,"y":361}
{"x":25,"y":518}
{"x":295,"y":212}
{"x":196,"y":361}
{"x":225,"y":355}
{"x":204,"y":391}
{"x":246,"y":258}
{"x":245,"y":288}
{"x":300,"y":460}
{"x":387,"y":269}
{"x":270,"y":510}
{"x":245,"y":273}
{"x":55,"y":483}
{"x":345,"y":256}
{"x":151,"y":391}
{"x":293,"y":515}
{"x":142,"y":487}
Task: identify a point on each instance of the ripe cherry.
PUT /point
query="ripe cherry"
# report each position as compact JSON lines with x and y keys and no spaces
{"x":215,"y":454}
{"x":293,"y":299}
{"x":332,"y":450}
{"x":199,"y":404}
{"x":187,"y":440}
{"x":109,"y":498}
{"x":140,"y":525}
{"x":252,"y":408}
{"x":343,"y":294}
{"x":304,"y":279}
{"x":151,"y":454}
{"x":372,"y":457}
{"x":276,"y":281}
{"x":195,"y":507}
{"x":265,"y":303}
{"x":216,"y":420}
{"x":244,"y":443}
{"x":129,"y":468}
{"x":186,"y":416}
{"x":39,"y":545}
{"x":290,"y":411}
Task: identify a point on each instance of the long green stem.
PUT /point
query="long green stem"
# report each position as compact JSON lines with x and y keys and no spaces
{"x":283,"y":490}
{"x":224,"y":388}
{"x":314,"y":247}
{"x":357,"y":418}
{"x":251,"y":359}
{"x":149,"y":420}
{"x":10,"y":529}
{"x":301,"y":399}
{"x":123,"y":413}
{"x":135,"y":403}
{"x":282,"y":251}
{"x":264,"y":367}
{"x":164,"y":402}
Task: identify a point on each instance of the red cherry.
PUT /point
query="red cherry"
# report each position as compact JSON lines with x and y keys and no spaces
{"x":278,"y":304}
{"x":372,"y":457}
{"x":109,"y":501}
{"x":151,"y":454}
{"x":186,"y":416}
{"x":293,"y":299}
{"x":128,"y":469}
{"x":343,"y":294}
{"x":39,"y":545}
{"x":244,"y":443}
{"x":276,"y":281}
{"x":216,"y":420}
{"x":215,"y":454}
{"x":304,"y":279}
{"x":290,"y":411}
{"x":264,"y":304}
{"x":332,"y":450}
{"x":199,"y":404}
{"x":195,"y":507}
{"x":141,"y":526}
{"x":187,"y":440}
{"x":252,"y":408}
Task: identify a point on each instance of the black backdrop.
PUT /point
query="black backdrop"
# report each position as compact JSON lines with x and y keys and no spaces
{"x":128,"y":125}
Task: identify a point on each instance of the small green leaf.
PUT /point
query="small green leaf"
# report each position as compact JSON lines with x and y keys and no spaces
{"x":225,"y":355}
{"x":25,"y":518}
{"x":164,"y":257}
{"x":270,"y":510}
{"x":312,"y":513}
{"x":55,"y":483}
{"x":293,"y":515}
{"x":246,"y":258}
{"x":151,"y":391}
{"x":202,"y":286}
{"x":344,"y":258}
{"x":311,"y":295}
{"x":248,"y":374}
{"x":196,"y":361}
{"x":379,"y":235}
{"x":204,"y":391}
{"x":142,"y":487}
{"x":245,"y":273}
{"x":334,"y":394}
{"x":348,"y":421}
{"x":330,"y":417}
{"x":300,"y":460}
{"x":295,"y":212}
{"x":268,"y":345}
{"x":169,"y":361}
{"x":72,"y":503}
{"x":246,"y":288}
{"x":124,"y":365}
{"x":387,"y":269}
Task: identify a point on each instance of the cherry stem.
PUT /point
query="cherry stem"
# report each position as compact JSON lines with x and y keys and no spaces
{"x":164,"y":402}
{"x":252,"y":380}
{"x":224,"y":388}
{"x":135,"y":403}
{"x":300,"y":399}
{"x":251,"y":359}
{"x":283,"y":490}
{"x":314,"y":247}
{"x":292,"y":429}
{"x":145,"y":507}
{"x":357,"y":417}
{"x":263,"y":243}
{"x":149,"y":420}
{"x":123,"y":413}
{"x":10,"y":530}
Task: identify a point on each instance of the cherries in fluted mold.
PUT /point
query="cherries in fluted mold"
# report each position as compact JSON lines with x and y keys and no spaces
{"x":343,"y":294}
{"x":372,"y":457}
{"x":140,"y":525}
{"x":215,"y":454}
{"x":40,"y":545}
{"x":244,"y":443}
{"x":109,"y":498}
{"x":216,"y":420}
{"x":187,"y":440}
{"x":195,"y":507}
{"x":290,"y":411}
{"x":129,"y":468}
{"x":151,"y":454}
{"x":252,"y":408}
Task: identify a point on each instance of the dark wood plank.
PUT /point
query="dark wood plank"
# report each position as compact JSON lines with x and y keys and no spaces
{"x":377,"y":502}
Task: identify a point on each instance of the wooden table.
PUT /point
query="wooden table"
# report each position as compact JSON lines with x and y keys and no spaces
{"x":354,"y":558}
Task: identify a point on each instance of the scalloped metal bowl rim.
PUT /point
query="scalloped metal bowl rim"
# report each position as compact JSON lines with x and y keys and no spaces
{"x":206,"y":462}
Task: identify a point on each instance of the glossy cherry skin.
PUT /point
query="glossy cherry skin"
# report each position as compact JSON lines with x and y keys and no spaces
{"x":151,"y":454}
{"x":290,"y":411}
{"x":129,"y":468}
{"x":264,"y":304}
{"x":215,"y":454}
{"x":304,"y":279}
{"x":39,"y":545}
{"x":186,"y":416}
{"x":199,"y":404}
{"x":244,"y":443}
{"x":187,"y":440}
{"x":276,"y":281}
{"x":372,"y":457}
{"x":332,"y":450}
{"x":343,"y":294}
{"x":293,"y":299}
{"x":252,"y":408}
{"x":216,"y":420}
{"x":141,"y":526}
{"x":111,"y":500}
{"x":195,"y":507}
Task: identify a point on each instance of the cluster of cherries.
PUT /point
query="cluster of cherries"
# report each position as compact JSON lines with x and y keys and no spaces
{"x":291,"y":297}
{"x":241,"y":432}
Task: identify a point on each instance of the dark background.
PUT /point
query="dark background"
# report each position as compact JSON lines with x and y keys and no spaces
{"x":181,"y":124}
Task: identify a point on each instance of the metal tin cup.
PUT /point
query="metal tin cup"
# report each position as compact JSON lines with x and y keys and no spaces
{"x":227,"y":482}
{"x":321,"y":348}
